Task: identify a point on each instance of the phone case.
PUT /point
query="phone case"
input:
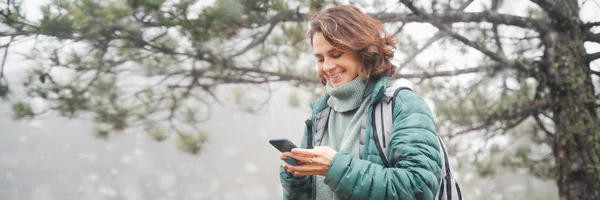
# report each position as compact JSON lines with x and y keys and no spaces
{"x":285,"y":145}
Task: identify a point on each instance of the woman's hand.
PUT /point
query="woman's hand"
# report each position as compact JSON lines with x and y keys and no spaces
{"x":310,"y":161}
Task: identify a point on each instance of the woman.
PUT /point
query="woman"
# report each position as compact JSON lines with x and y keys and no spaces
{"x":353,"y":54}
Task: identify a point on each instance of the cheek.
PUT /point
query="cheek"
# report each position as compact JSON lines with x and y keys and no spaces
{"x":352,"y":61}
{"x":319,"y":69}
{"x":355,"y":66}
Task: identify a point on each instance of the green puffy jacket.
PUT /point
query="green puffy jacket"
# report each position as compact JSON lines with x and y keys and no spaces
{"x":413,"y":152}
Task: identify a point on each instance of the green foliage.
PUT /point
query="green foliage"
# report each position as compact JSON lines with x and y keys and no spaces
{"x":101,"y":132}
{"x":157,"y":133}
{"x":279,"y":5}
{"x":485,"y":169}
{"x":55,"y":22}
{"x":108,"y":44}
{"x":147,"y":62}
{"x":21,"y":110}
{"x":191,"y":143}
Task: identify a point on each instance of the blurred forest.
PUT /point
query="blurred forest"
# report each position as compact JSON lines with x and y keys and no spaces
{"x":515,"y":85}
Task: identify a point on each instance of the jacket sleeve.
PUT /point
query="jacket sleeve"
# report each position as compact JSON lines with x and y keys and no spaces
{"x":413,"y":153}
{"x":295,"y":188}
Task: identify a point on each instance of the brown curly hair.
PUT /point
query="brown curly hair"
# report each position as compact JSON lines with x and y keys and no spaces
{"x":348,"y":29}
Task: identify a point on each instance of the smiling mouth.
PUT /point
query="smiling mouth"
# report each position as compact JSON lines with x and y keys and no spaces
{"x":335,"y":77}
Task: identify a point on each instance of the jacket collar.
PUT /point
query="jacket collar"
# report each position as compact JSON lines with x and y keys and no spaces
{"x":378,"y":91}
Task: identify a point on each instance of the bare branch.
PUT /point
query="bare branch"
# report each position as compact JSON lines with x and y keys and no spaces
{"x":281,"y":76}
{"x":448,"y":18}
{"x":465,"y":5}
{"x":6,"y":49}
{"x":590,"y":25}
{"x":551,"y":7}
{"x":542,"y":126}
{"x":256,"y":41}
{"x":14,"y":34}
{"x":465,"y":17}
{"x":431,"y":40}
{"x":592,"y":37}
{"x":497,"y":39}
{"x":436,"y":22}
{"x":449,"y":72}
{"x":591,"y":57}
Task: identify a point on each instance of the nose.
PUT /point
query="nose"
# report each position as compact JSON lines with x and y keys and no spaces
{"x":327,"y":66}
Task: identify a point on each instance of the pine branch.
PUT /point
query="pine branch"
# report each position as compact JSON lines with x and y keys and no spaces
{"x":514,"y":111}
{"x":517,"y":111}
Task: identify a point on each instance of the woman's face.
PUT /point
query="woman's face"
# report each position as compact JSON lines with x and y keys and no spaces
{"x":338,"y":67}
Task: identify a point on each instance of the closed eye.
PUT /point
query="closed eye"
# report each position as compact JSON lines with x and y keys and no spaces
{"x":336,"y":54}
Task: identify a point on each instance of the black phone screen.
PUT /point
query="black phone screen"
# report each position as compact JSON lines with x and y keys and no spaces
{"x":283,"y":145}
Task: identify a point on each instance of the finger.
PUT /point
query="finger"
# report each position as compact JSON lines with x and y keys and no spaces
{"x":282,"y":155}
{"x":287,"y":154}
{"x":313,"y":170}
{"x":288,"y":168}
{"x":285,"y":165}
{"x":306,"y":167}
{"x":305,"y":152}
{"x":302,"y":174}
{"x":317,"y":159}
{"x":300,"y":158}
{"x":297,"y":175}
{"x":306,"y":170}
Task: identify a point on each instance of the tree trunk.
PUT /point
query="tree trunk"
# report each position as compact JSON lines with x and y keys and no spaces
{"x":577,"y":139}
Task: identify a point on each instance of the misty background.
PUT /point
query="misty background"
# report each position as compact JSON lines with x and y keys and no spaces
{"x":53,"y":157}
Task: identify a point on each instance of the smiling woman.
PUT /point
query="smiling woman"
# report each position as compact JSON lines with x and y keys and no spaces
{"x":361,"y":39}
{"x":353,"y":54}
{"x":335,"y":66}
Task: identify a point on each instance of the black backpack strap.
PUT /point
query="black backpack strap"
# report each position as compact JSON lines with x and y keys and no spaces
{"x":382,"y":121}
{"x":449,"y":188}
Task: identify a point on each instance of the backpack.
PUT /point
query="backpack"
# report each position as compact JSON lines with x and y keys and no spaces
{"x":382,"y":116}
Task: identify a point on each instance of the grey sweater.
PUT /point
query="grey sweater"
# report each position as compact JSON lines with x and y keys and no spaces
{"x":348,"y":102}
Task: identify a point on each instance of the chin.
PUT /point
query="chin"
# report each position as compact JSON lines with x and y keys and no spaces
{"x":338,"y":84}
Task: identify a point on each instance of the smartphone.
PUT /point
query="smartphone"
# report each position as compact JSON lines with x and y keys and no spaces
{"x":285,"y":145}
